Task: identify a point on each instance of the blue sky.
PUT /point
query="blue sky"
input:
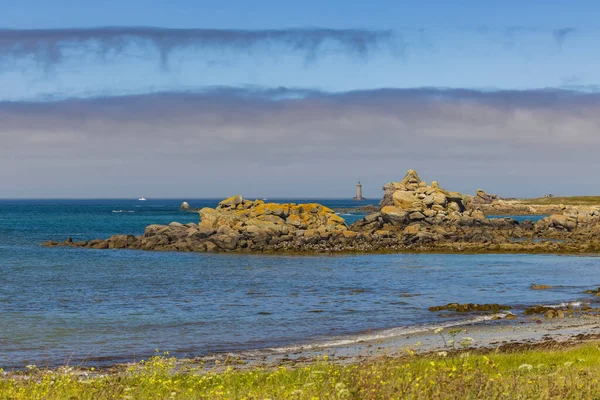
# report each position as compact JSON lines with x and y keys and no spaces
{"x":338,"y":59}
{"x":504,"y":45}
{"x":266,"y":14}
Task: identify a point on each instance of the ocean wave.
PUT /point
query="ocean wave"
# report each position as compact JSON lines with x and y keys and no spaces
{"x":571,"y":304}
{"x":123,"y":211}
{"x":384,"y":334}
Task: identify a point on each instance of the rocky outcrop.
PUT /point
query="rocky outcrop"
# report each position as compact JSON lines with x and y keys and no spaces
{"x":238,"y":224}
{"x":484,"y":198}
{"x":412,"y":205}
{"x":412,"y":200}
{"x":412,"y":216}
{"x":255,"y":224}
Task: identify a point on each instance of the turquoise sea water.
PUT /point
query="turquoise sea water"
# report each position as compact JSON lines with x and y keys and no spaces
{"x":520,"y":218}
{"x":60,"y":305}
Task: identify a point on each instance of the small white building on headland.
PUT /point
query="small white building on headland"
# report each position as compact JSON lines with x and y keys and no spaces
{"x":359,"y":195}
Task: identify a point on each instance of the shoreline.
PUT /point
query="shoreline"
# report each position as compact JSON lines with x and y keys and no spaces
{"x":516,"y":248}
{"x":487,"y":336}
{"x":485,"y":333}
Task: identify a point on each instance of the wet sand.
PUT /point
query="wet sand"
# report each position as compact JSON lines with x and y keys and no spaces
{"x":504,"y":335}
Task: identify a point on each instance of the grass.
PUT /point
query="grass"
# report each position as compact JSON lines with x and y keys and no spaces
{"x":572,"y":200}
{"x":529,"y":374}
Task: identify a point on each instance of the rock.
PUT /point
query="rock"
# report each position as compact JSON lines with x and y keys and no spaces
{"x":453,"y":206}
{"x":411,"y":180}
{"x":483,"y":198}
{"x":537,"y":310}
{"x":561,"y":221}
{"x":349,"y":234}
{"x":470,"y":307}
{"x":478,"y":214}
{"x":185,"y":206}
{"x":411,"y":230}
{"x":231,"y":202}
{"x":416,"y":216}
{"x":554,"y":314}
{"x":208,"y":218}
{"x":404,"y":199}
{"x":394,"y":215}
{"x":440,"y":198}
{"x":540,"y":287}
{"x":384,"y":233}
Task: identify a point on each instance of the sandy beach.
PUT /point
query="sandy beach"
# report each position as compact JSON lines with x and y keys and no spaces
{"x":501,"y":335}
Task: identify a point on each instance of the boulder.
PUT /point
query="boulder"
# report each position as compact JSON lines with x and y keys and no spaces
{"x":404,"y":199}
{"x":562,"y":221}
{"x":394,"y":215}
{"x":231,"y":202}
{"x":540,"y":287}
{"x":208,"y":218}
{"x":412,"y":230}
{"x":478,"y":214}
{"x":440,"y":198}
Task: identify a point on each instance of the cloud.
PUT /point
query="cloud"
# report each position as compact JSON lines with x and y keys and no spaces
{"x":560,"y":35}
{"x":51,"y":46}
{"x":287,"y":142}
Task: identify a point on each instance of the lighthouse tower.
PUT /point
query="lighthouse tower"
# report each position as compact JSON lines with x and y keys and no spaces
{"x":359,"y":195}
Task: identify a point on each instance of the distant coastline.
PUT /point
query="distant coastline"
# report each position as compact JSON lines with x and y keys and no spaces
{"x":411,"y":217}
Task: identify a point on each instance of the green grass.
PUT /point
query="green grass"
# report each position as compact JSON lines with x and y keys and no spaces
{"x":534,"y":374}
{"x":573,"y":200}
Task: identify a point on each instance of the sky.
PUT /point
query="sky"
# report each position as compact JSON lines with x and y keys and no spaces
{"x":191,"y":99}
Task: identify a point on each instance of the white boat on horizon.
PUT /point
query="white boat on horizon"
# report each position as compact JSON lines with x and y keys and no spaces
{"x":142,"y":199}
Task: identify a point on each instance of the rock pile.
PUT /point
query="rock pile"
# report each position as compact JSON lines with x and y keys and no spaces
{"x":412,"y":201}
{"x":484,"y":198}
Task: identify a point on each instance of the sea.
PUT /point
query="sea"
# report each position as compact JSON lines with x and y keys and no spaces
{"x":71,"y":306}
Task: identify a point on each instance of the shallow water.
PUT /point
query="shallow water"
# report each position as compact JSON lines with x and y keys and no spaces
{"x":60,"y":304}
{"x":521,"y":218}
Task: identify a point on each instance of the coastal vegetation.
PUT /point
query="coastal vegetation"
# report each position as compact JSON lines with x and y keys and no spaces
{"x":570,"y":200}
{"x":547,"y":370}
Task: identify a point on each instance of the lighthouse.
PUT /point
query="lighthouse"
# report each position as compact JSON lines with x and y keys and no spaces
{"x":359,"y":195}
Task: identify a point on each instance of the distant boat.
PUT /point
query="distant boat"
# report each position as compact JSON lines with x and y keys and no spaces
{"x":265,"y":199}
{"x":142,"y":199}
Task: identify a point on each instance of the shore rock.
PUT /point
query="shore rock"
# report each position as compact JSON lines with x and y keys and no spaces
{"x":482,"y":197}
{"x":540,"y":287}
{"x":470,"y":307}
